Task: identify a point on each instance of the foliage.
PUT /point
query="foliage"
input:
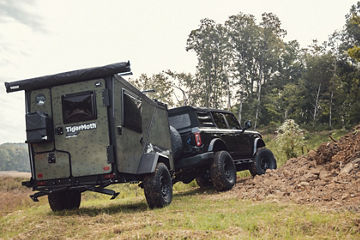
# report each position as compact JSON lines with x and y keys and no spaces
{"x":354,"y":53}
{"x":246,"y":66}
{"x":14,"y":157}
{"x":290,"y":138}
{"x":160,"y":83}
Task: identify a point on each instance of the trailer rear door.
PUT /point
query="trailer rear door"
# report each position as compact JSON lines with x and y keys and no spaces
{"x":81,"y":126}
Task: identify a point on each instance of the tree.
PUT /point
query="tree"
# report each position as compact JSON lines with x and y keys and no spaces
{"x":209,"y":44}
{"x":158,"y":82}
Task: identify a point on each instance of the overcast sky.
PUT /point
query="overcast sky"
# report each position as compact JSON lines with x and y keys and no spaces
{"x":39,"y":37}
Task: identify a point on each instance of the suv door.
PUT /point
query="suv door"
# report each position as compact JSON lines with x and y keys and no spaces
{"x":81,"y":126}
{"x":241,"y":139}
{"x":226,"y":134}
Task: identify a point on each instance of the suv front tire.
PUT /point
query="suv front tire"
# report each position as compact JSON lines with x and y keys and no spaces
{"x":264,"y":159}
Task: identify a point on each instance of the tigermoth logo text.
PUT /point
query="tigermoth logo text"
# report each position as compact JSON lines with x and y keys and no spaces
{"x":82,"y":127}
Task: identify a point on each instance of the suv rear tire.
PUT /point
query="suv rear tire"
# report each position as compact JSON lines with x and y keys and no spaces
{"x":204,"y":180}
{"x":158,"y":187}
{"x":64,"y":200}
{"x":223,"y":171}
{"x":264,"y":159}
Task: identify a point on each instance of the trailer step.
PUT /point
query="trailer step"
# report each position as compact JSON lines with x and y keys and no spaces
{"x":104,"y":191}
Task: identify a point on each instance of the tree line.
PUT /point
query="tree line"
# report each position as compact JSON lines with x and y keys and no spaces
{"x":14,"y":156}
{"x":246,"y":66}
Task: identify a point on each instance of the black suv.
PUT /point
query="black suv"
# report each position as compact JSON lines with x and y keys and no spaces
{"x":210,"y":146}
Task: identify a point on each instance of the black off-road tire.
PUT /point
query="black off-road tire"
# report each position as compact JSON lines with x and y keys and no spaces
{"x":158,"y":187}
{"x":223,"y":171}
{"x":72,"y":199}
{"x":264,"y":159}
{"x":64,"y":200}
{"x":204,"y":181}
{"x":176,"y":144}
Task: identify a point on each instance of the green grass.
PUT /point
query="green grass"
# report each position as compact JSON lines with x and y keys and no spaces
{"x":193,"y":214}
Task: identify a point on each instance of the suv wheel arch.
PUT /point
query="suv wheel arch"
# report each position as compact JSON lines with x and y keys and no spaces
{"x":216,"y":145}
{"x":258,"y":143}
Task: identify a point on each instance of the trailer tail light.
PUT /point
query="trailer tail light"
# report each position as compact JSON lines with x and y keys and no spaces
{"x":42,"y":183}
{"x":197,"y":139}
{"x":109,"y":176}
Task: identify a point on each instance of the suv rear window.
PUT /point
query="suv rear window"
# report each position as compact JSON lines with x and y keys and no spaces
{"x":180,"y":121}
{"x":79,"y":107}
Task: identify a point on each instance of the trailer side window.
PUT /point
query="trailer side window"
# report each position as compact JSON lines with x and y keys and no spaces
{"x":132,"y":113}
{"x":79,"y":107}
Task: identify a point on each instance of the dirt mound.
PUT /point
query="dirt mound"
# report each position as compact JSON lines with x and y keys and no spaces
{"x":328,"y":176}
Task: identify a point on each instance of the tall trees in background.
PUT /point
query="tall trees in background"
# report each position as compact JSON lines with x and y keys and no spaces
{"x":247,"y":67}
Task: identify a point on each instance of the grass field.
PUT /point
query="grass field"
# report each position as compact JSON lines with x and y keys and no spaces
{"x":193,"y":214}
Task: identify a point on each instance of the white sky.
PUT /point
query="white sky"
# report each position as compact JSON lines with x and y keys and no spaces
{"x":47,"y":37}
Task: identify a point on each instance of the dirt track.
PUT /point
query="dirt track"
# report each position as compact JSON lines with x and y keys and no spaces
{"x":329,"y":176}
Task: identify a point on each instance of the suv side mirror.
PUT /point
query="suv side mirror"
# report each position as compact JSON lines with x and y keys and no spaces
{"x":247,"y":124}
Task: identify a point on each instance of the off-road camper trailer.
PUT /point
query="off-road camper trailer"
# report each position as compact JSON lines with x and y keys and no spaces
{"x":89,"y":128}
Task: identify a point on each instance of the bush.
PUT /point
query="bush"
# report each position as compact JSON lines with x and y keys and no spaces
{"x":290,"y":138}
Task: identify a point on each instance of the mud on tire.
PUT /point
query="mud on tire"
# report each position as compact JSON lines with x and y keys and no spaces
{"x":204,"y":180}
{"x":223,"y":171}
{"x":64,"y":200}
{"x":158,"y":187}
{"x":264,"y":159}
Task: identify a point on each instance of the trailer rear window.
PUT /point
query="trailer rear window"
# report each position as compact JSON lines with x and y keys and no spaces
{"x":79,"y":107}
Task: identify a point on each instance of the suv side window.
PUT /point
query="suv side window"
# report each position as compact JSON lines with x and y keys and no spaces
{"x":232,"y":121}
{"x":132,"y":113}
{"x":219,"y":120}
{"x":205,"y":119}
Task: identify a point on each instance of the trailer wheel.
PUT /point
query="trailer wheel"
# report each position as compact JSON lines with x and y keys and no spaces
{"x":158,"y":187}
{"x":64,"y":200}
{"x":56,"y":201}
{"x":223,"y":171}
{"x":72,"y":199}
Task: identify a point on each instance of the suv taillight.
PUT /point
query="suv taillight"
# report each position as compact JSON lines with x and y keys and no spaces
{"x":197,"y":139}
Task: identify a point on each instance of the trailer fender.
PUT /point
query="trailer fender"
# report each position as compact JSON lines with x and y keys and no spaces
{"x":149,"y":161}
